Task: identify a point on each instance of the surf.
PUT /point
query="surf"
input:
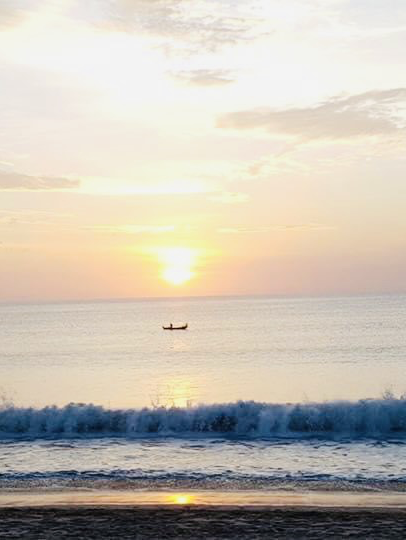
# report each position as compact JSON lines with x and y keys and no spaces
{"x":381,"y":418}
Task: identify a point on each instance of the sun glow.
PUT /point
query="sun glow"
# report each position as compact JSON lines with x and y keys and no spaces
{"x":178,"y":263}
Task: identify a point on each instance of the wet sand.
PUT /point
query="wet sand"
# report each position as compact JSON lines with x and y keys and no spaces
{"x":202,"y":498}
{"x":195,"y":522}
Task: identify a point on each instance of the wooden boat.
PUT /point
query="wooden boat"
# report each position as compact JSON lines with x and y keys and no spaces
{"x":184,"y":327}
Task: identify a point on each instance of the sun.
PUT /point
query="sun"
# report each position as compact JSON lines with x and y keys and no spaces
{"x":178,"y":263}
{"x":177,"y":275}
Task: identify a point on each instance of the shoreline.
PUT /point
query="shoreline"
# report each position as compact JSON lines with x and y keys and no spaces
{"x":202,"y":499}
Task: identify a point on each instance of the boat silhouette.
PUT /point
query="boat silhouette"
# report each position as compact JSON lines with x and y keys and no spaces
{"x":171,"y":327}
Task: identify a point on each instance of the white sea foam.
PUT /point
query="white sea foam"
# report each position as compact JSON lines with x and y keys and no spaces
{"x":365,"y":418}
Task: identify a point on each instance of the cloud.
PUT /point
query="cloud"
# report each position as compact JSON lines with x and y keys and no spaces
{"x":31,"y":217}
{"x":293,"y":227}
{"x":133,"y":229}
{"x":242,"y":230}
{"x":378,"y":112}
{"x":12,"y":12}
{"x":304,"y":227}
{"x":8,"y":15}
{"x":15,"y":182}
{"x":182,"y":25}
{"x":205,"y":77}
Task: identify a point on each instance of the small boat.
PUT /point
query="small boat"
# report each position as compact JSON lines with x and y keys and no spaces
{"x":171,"y":327}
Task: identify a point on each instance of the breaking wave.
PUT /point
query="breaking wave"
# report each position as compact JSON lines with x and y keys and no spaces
{"x":365,"y":418}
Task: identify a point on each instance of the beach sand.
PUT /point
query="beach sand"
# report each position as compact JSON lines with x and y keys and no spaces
{"x":140,"y":514}
{"x":195,"y":522}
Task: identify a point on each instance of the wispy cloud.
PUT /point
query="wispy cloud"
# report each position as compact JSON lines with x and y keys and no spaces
{"x":304,"y":227}
{"x":242,"y":230}
{"x":31,"y":217}
{"x":282,"y":227}
{"x":12,"y":12}
{"x":132,"y":229}
{"x":205,"y":77}
{"x":182,"y":25}
{"x":15,"y":181}
{"x":378,"y":112}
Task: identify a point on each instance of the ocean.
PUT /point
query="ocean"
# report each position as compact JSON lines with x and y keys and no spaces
{"x":257,"y":394}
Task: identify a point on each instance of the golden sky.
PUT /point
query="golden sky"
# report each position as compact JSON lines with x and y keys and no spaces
{"x":176,"y":147}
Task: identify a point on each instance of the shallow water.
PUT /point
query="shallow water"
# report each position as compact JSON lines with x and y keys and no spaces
{"x":173,"y":463}
{"x":205,"y":464}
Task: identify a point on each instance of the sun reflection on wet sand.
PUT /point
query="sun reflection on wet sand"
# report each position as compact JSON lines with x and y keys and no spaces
{"x":204,"y":498}
{"x":181,"y":498}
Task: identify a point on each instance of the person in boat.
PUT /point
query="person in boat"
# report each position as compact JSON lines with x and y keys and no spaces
{"x":171,"y":326}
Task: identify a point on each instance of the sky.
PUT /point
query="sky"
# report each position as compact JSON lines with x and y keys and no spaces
{"x":201,"y":147}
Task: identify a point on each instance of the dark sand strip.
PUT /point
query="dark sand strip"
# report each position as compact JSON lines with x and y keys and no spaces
{"x":200,"y":523}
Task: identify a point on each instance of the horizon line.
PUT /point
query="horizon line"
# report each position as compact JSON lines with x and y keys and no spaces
{"x":129,"y":299}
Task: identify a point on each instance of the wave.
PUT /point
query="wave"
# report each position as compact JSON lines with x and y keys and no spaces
{"x":365,"y":418}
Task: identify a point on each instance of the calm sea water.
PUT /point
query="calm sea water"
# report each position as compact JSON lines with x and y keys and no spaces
{"x":273,"y":350}
{"x":333,"y":357}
